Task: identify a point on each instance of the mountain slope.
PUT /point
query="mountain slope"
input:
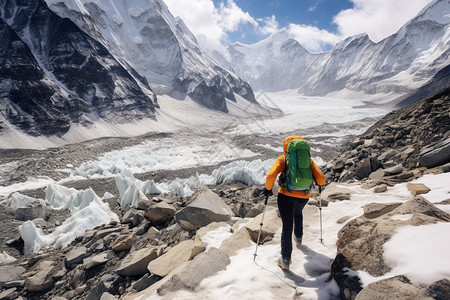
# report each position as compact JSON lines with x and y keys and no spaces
{"x":161,"y":47}
{"x":76,"y":79}
{"x":356,"y":66}
{"x":439,"y":83}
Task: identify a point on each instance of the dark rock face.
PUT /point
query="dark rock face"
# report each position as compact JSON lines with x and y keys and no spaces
{"x":52,"y":72}
{"x":417,"y":135}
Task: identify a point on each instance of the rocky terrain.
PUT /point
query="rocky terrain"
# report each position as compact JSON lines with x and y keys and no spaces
{"x":157,"y":245}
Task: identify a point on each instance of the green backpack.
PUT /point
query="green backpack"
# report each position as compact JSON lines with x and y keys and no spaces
{"x":297,"y":171}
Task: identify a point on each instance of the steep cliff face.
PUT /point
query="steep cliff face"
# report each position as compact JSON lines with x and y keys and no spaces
{"x":159,"y":46}
{"x":394,"y":66}
{"x":64,"y":75}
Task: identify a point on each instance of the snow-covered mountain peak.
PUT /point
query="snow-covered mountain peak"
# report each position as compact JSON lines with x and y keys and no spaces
{"x":356,"y":67}
{"x":161,"y":47}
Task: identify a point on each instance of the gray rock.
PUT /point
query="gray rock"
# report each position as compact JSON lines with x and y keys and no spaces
{"x":387,"y":155}
{"x":207,"y":207}
{"x":144,"y":282}
{"x":436,"y":156}
{"x":364,"y":169}
{"x":397,"y":169}
{"x":31,"y":211}
{"x":378,"y":174}
{"x":398,"y":287}
{"x":375,"y":210}
{"x":133,"y":216}
{"x":9,"y":294}
{"x":135,"y":263}
{"x":75,"y":256}
{"x":204,"y":265}
{"x":42,"y":280}
{"x":107,"y":296}
{"x":440,"y":289}
{"x":339,"y":196}
{"x":10,"y":273}
{"x":108,"y":283}
{"x":160,"y":213}
{"x":96,"y":260}
{"x":380,"y":188}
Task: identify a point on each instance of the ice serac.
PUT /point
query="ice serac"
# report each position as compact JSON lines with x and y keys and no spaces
{"x":54,"y":74}
{"x":159,"y":46}
{"x":357,"y":66}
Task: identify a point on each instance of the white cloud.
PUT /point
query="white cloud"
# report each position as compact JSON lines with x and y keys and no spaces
{"x":313,"y":38}
{"x":377,"y":18}
{"x":211,"y":25}
{"x":270,"y":25}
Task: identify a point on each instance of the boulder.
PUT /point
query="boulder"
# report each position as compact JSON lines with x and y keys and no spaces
{"x":440,"y":289}
{"x":349,"y":283}
{"x":436,"y":155}
{"x":160,"y":213}
{"x":42,"y":278}
{"x":361,"y":240}
{"x":133,"y":216}
{"x":10,"y":273}
{"x":397,"y":169}
{"x":202,"y":266}
{"x":271,"y":224}
{"x":176,"y":256}
{"x":75,"y":256}
{"x":398,"y":287}
{"x":238,"y":240}
{"x":207,"y":207}
{"x":380,"y":188}
{"x":417,"y":188}
{"x":364,"y":169}
{"x":378,"y":174}
{"x":135,"y":263}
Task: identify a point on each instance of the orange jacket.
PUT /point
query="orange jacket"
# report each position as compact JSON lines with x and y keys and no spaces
{"x":278,"y":167}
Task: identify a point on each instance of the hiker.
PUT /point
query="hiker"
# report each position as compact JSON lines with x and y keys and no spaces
{"x":292,"y":196}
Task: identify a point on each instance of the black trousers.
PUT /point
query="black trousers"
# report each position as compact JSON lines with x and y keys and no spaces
{"x":291,"y":215}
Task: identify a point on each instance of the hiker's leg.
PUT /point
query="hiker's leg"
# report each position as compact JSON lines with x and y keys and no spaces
{"x":299,"y":204}
{"x":286,"y":206}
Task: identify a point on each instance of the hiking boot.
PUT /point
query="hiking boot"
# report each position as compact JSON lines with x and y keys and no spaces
{"x":284,"y":263}
{"x":298,"y":240}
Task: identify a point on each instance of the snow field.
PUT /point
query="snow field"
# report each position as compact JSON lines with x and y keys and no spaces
{"x":302,"y":112}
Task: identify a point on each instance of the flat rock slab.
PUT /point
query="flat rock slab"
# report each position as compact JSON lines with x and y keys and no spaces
{"x":135,"y":263}
{"x":10,"y":273}
{"x":417,"y":188}
{"x":176,"y":256}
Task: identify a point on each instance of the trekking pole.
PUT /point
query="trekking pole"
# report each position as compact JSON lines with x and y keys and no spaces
{"x":320,"y":211}
{"x":260,"y":228}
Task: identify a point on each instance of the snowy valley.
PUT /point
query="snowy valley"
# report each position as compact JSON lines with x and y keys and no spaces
{"x":132,"y":161}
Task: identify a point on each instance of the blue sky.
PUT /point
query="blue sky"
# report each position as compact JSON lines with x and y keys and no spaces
{"x":317,"y":13}
{"x":317,"y":24}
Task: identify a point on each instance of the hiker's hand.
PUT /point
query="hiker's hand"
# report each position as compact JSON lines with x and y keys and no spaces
{"x":267,"y":192}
